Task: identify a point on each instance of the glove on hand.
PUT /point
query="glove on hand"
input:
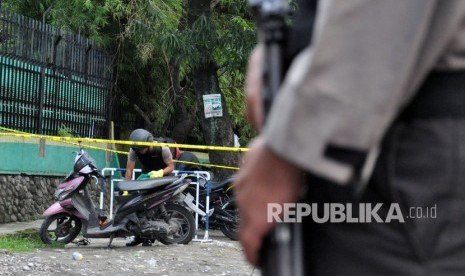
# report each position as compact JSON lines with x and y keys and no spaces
{"x":155,"y":174}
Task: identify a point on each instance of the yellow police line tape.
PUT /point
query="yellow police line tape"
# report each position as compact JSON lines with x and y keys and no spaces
{"x":77,"y":142}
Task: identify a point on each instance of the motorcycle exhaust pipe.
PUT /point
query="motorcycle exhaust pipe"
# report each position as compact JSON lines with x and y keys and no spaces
{"x":181,"y":189}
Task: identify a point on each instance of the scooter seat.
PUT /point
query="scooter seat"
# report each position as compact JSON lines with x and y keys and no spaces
{"x":134,"y":185}
{"x":219,"y":185}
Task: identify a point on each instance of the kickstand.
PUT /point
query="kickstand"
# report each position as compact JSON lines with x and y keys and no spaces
{"x":80,"y":242}
{"x":111,"y":240}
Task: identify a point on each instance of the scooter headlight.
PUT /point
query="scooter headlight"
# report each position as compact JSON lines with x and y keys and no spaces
{"x":64,"y":189}
{"x":61,"y":194}
{"x":57,"y":193}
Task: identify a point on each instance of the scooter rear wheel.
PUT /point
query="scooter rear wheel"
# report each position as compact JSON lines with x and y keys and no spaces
{"x":60,"y":228}
{"x":183,"y":220}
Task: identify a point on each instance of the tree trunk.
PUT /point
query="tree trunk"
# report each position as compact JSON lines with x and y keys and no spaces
{"x":217,"y":130}
{"x":184,"y":120}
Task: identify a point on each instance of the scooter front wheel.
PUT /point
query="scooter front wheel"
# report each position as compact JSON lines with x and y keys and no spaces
{"x":60,"y":228}
{"x":229,"y":229}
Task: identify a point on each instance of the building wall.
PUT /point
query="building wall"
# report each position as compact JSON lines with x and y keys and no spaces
{"x":32,"y":156}
{"x":30,"y":171}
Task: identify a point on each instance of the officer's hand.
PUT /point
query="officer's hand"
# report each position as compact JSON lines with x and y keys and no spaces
{"x":263,"y":178}
{"x":253,"y":88}
{"x":155,"y":174}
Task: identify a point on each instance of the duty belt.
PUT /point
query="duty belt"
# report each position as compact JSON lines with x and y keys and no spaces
{"x":442,"y":95}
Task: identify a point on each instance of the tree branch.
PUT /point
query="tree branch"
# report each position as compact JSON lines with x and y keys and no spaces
{"x":214,"y":3}
{"x":143,"y":115}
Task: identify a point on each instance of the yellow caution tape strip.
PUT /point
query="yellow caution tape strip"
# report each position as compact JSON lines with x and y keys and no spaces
{"x":121,"y":142}
{"x":77,"y":142}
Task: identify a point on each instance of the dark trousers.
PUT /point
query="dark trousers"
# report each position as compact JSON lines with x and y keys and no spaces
{"x":422,"y":165}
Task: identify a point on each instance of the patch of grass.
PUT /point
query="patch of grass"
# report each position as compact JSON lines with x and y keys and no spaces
{"x":24,"y":241}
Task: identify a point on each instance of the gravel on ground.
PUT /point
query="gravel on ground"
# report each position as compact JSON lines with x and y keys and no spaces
{"x":220,"y":256}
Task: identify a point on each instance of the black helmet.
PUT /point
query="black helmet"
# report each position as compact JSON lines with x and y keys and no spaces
{"x":140,"y":135}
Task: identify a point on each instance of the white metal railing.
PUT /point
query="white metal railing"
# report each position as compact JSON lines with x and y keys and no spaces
{"x":195,"y":208}
{"x":113,"y":180}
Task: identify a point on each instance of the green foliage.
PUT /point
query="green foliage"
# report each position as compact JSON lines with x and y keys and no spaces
{"x":65,"y":131}
{"x":83,"y":16}
{"x":146,"y":37}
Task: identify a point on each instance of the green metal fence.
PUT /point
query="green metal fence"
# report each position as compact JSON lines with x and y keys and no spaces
{"x":51,"y":79}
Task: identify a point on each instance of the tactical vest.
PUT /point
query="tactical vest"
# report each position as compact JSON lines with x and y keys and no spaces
{"x":152,"y":160}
